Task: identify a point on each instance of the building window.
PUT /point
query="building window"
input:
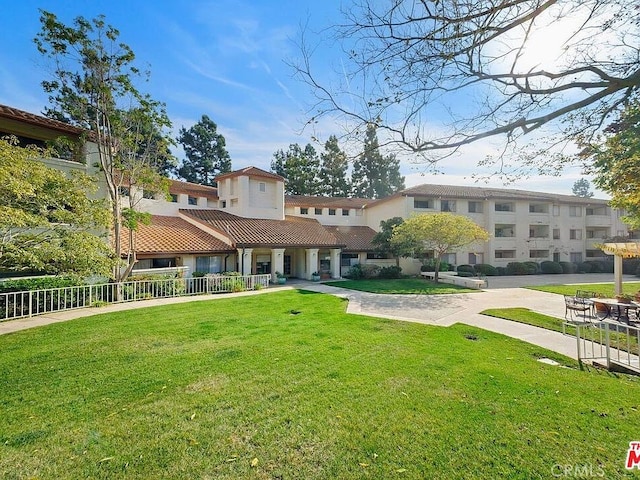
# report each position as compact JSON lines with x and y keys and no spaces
{"x":450,"y":258}
{"x":539,"y":254}
{"x":223,"y":204}
{"x":163,"y":262}
{"x":556,"y":234}
{"x":149,"y":195}
{"x":505,"y":231}
{"x":124,"y":191}
{"x":556,"y":210}
{"x":538,"y":208}
{"x":345,"y":212}
{"x":422,"y":203}
{"x":603,"y":210}
{"x":575,"y":234}
{"x":476,"y":258}
{"x":348,"y":259}
{"x":332,"y":211}
{"x":174,"y":197}
{"x":318,"y":211}
{"x":475,"y":207}
{"x":538,"y":231}
{"x":193,"y":200}
{"x":209,"y":264}
{"x":262,"y":187}
{"x":575,"y":257}
{"x":575,"y":211}
{"x":504,"y":207}
{"x":596,"y":254}
{"x":447,"y":205}
{"x":304,"y":211}
{"x":505,"y":254}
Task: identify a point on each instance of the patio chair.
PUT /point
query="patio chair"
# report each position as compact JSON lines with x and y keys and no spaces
{"x":587,"y":296}
{"x":574,"y":305}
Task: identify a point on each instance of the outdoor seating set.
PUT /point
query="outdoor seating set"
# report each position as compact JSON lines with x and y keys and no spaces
{"x":592,"y":306}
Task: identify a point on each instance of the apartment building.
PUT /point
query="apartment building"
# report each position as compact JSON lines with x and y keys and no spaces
{"x":248,"y":224}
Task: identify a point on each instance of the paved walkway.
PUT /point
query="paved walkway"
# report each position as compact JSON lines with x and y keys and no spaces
{"x":441,"y":310}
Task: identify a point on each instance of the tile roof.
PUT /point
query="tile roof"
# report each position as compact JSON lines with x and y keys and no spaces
{"x":193,"y":189}
{"x":255,"y":232}
{"x":173,"y":235}
{"x":250,"y":172}
{"x":355,"y":239}
{"x":330,"y":202}
{"x":37,"y":120}
{"x":482,"y":193}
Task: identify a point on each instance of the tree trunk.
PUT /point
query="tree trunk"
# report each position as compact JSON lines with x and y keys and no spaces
{"x":436,"y":266}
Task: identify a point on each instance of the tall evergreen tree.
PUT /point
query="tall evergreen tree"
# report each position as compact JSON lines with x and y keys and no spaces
{"x":375,"y":175}
{"x":206,"y":152}
{"x":582,"y":188}
{"x":333,"y":170}
{"x":300,"y":168}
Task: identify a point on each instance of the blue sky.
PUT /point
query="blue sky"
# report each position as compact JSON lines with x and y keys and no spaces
{"x":223,"y":58}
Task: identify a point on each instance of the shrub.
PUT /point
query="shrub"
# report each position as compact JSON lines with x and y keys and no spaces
{"x":568,"y":267}
{"x":430,"y":266}
{"x":584,"y":267}
{"x":502,"y":271}
{"x":355,"y":272}
{"x":390,"y":272}
{"x":466,"y":274}
{"x":359,"y":271}
{"x":532,"y":267}
{"x":198,"y":274}
{"x":466,"y":269}
{"x":550,"y":267}
{"x":638,"y":271}
{"x":486,"y":269}
{"x":630,"y":266}
{"x":38,"y":283}
{"x":516,"y":268}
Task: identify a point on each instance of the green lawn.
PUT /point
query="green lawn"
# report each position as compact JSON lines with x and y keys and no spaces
{"x":400,"y":286}
{"x":524,"y":315}
{"x":286,"y":385}
{"x":606,"y":289}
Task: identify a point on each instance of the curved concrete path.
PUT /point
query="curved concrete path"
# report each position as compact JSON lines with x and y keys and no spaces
{"x":441,"y":310}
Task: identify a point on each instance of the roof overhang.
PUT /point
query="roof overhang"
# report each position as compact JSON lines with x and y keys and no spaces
{"x":621,"y":249}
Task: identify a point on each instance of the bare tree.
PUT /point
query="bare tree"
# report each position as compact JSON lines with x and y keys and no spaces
{"x":407,"y":63}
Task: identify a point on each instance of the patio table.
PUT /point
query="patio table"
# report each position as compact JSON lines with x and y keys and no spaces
{"x":621,"y":308}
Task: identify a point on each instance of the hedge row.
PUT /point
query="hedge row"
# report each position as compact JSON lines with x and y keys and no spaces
{"x":629,"y":267}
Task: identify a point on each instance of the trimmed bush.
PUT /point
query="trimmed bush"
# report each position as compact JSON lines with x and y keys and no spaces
{"x":390,"y":272}
{"x":486,"y":269}
{"x":516,"y":268}
{"x":359,"y":271}
{"x":429,"y":266}
{"x":568,"y":267}
{"x":502,"y":271}
{"x":532,"y":267}
{"x":630,"y":266}
{"x":38,"y":283}
{"x":584,"y":267}
{"x":550,"y":267}
{"x":466,"y":269}
{"x":466,"y":274}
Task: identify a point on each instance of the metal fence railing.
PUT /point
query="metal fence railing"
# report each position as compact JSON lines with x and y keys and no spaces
{"x":615,"y":343}
{"x":15,"y":305}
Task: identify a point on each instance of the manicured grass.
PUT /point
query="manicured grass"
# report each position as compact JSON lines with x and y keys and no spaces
{"x":286,"y":385}
{"x":405,"y":286}
{"x":605,"y":289}
{"x":524,"y":315}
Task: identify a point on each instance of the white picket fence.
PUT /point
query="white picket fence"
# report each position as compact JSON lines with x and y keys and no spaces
{"x":15,"y":305}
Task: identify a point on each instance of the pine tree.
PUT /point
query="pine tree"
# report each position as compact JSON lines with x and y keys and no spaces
{"x":206,"y":152}
{"x":333,"y":170}
{"x":300,"y":168}
{"x":374,"y":175}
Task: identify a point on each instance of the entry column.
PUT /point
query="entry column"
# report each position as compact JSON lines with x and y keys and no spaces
{"x":311,"y":263}
{"x":277,"y":262}
{"x":335,"y":262}
{"x":245,"y":260}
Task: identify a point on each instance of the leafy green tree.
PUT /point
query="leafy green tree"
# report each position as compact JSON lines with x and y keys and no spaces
{"x":47,"y":220}
{"x":93,"y":87}
{"x":375,"y":175}
{"x":333,"y":170}
{"x":300,"y":168}
{"x":581,"y":188}
{"x":616,"y":163}
{"x":382,"y":239}
{"x":206,"y":152}
{"x":439,"y":233}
